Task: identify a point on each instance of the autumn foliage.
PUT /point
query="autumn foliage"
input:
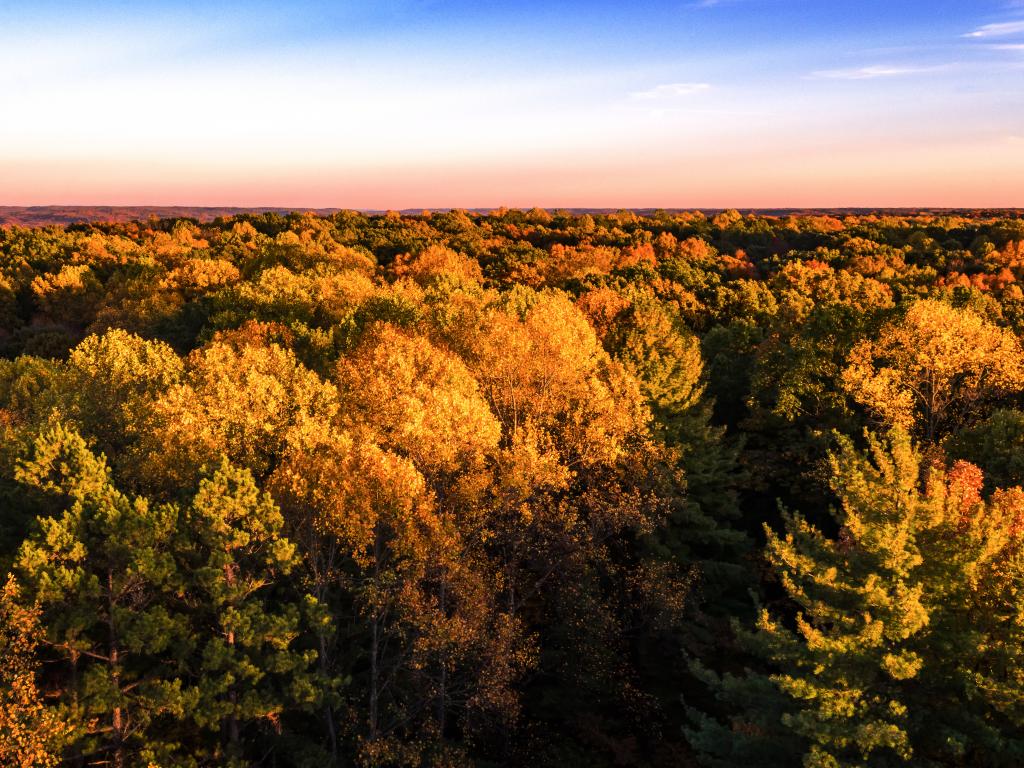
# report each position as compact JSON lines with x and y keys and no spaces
{"x":515,"y":488}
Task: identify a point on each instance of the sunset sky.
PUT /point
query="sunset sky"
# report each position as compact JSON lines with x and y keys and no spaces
{"x":414,"y":103}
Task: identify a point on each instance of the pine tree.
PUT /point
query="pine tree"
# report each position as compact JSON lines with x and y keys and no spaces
{"x":100,"y":569}
{"x":903,"y":629}
{"x":246,"y":671}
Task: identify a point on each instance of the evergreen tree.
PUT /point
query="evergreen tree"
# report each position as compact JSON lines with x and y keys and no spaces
{"x":886,"y":660}
{"x":101,"y":569}
{"x":246,"y":671}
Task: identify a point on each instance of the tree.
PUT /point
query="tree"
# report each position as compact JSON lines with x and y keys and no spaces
{"x":996,"y":445}
{"x":421,"y":402}
{"x":109,"y":384}
{"x":437,"y":264}
{"x":877,"y":666}
{"x":246,"y":669}
{"x":665,"y":358}
{"x":234,"y":402}
{"x":935,"y":369}
{"x":99,"y":570}
{"x":427,"y":640}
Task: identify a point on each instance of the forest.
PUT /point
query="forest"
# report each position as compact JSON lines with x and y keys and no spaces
{"x":513,"y":488}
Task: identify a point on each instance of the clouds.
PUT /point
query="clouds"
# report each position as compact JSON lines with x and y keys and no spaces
{"x":287,"y":99}
{"x":716,"y":3}
{"x":872,"y":72}
{"x":994,"y":36}
{"x":671,"y":91}
{"x":1000,"y":29}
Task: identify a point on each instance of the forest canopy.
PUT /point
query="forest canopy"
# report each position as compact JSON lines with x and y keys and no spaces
{"x":513,"y":488}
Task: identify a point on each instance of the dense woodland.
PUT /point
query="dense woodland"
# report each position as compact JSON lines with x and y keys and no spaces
{"x":516,"y":488}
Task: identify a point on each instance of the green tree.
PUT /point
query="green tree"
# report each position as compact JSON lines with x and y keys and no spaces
{"x":100,"y":568}
{"x":246,"y":671}
{"x":892,"y":656}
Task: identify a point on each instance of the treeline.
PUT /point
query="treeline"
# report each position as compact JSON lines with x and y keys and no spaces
{"x":517,"y":488}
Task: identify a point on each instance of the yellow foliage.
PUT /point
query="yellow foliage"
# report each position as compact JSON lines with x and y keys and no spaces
{"x":544,"y":365}
{"x":240,"y":402}
{"x":197,"y":276}
{"x":350,"y":487}
{"x":934,"y":368}
{"x":419,"y":400}
{"x":69,"y":295}
{"x":31,"y":734}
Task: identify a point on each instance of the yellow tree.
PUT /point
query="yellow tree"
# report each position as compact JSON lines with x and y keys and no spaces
{"x":572,"y":485}
{"x":427,"y":631}
{"x":239,"y":401}
{"x":543,"y":371}
{"x":934,"y":369}
{"x":423,"y":403}
{"x":435,"y":264}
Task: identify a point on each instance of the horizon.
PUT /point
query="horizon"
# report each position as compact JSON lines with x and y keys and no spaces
{"x":43,"y":216}
{"x":714,"y":104}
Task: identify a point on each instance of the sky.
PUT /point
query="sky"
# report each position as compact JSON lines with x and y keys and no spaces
{"x":424,"y":104}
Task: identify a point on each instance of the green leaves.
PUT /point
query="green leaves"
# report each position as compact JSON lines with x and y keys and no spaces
{"x":163,"y":611}
{"x":877,"y":660}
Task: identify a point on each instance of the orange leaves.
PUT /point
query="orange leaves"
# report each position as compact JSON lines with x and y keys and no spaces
{"x":544,"y":363}
{"x":419,"y":400}
{"x":981,"y":533}
{"x":964,"y":481}
{"x":351,"y":488}
{"x":738,"y":265}
{"x":602,"y":306}
{"x":567,"y":262}
{"x":436,"y":263}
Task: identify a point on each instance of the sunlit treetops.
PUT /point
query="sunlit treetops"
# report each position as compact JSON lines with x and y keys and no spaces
{"x":508,"y":488}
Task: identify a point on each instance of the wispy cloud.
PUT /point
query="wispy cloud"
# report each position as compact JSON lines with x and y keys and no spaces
{"x":870,"y":73}
{"x":714,"y":3}
{"x":1008,"y":47}
{"x":1001,"y":29}
{"x":671,"y":91}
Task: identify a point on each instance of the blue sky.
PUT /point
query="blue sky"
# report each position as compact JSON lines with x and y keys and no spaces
{"x":422,"y":103}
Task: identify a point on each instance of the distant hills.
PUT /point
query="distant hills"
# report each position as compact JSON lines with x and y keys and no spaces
{"x":46,"y":215}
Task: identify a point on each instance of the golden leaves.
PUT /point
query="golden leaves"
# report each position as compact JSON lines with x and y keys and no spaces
{"x":543,"y":362}
{"x":419,"y":400}
{"x":239,"y":402}
{"x":934,"y":368}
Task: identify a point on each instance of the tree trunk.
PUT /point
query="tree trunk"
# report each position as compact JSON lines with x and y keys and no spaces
{"x":375,"y":642}
{"x":443,"y":677}
{"x":233,"y":732}
{"x":117,"y":716}
{"x":332,"y":733}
